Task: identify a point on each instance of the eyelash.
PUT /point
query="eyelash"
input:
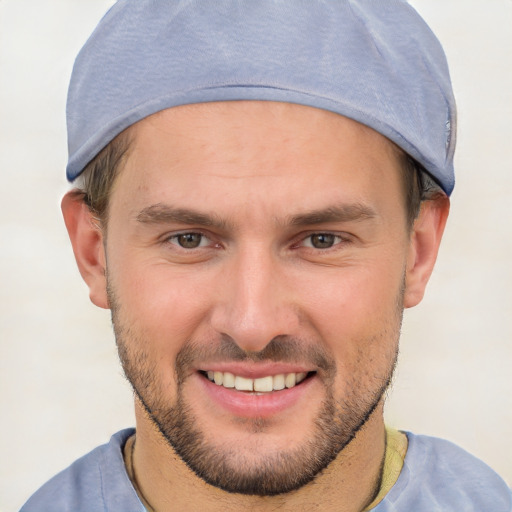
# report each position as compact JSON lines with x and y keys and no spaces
{"x":173,"y":239}
{"x":338,"y":239}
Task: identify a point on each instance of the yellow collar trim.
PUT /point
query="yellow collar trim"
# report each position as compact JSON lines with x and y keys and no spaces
{"x":396,"y":448}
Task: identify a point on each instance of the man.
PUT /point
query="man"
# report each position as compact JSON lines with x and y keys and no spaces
{"x":261,"y":188}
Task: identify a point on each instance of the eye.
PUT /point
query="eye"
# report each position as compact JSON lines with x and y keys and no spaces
{"x":322,"y":240}
{"x":189,"y":240}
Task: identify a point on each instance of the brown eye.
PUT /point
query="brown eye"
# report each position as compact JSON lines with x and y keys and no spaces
{"x":322,"y":240}
{"x":189,"y":240}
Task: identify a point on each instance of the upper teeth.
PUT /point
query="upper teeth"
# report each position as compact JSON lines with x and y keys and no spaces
{"x":263,"y":384}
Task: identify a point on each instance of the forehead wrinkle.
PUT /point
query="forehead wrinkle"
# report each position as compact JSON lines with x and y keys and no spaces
{"x":165,"y":214}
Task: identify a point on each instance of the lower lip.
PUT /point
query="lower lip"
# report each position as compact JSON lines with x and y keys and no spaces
{"x":249,"y":405}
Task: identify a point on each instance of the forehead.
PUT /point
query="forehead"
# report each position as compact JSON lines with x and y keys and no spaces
{"x":249,"y":122}
{"x":245,"y":149}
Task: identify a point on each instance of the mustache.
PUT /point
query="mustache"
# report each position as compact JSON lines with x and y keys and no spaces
{"x":283,"y":348}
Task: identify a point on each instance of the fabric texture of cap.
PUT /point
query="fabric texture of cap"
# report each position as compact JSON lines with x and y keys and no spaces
{"x":375,"y":61}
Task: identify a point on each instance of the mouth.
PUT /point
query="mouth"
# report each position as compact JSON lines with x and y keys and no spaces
{"x":261,"y":385}
{"x":262,"y":390}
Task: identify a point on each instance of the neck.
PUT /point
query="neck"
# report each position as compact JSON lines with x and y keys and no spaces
{"x":348,"y":484}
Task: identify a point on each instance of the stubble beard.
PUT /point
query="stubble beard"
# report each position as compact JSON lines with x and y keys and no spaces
{"x":225,"y":467}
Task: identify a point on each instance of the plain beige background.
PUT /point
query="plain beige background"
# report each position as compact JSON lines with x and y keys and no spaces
{"x":61,"y":389}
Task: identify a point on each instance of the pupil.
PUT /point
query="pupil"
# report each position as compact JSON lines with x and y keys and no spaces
{"x":190,"y":240}
{"x":322,"y":241}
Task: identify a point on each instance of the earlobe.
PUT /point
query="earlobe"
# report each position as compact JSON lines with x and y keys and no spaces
{"x":424,"y":245}
{"x":87,"y":241}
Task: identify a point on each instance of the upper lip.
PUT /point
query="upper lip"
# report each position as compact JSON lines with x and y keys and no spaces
{"x":256,"y":370}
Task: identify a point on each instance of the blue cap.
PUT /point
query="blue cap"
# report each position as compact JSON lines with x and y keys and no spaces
{"x":375,"y":61}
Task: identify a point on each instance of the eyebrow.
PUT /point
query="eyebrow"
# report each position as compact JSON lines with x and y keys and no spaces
{"x":343,"y":213}
{"x":164,"y":214}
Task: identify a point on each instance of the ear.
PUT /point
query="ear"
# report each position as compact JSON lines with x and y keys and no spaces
{"x":424,"y":245}
{"x":87,"y":241}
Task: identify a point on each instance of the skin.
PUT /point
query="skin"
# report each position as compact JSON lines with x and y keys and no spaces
{"x":257,"y":170}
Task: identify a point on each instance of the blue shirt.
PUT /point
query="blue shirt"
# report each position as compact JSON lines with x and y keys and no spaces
{"x":437,"y":476}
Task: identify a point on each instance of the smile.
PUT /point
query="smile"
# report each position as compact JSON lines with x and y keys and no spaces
{"x":261,"y":385}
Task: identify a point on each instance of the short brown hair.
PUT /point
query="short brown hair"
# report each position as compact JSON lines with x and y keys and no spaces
{"x":98,"y":178}
{"x":418,"y":186}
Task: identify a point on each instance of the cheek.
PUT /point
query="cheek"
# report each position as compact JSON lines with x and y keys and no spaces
{"x":347,"y":299}
{"x":166,"y":307}
{"x":357,"y":313}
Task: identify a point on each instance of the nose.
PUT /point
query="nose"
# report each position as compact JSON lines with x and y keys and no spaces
{"x":253,"y":302}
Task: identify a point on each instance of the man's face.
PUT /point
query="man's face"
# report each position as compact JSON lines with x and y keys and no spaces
{"x":259,"y":244}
